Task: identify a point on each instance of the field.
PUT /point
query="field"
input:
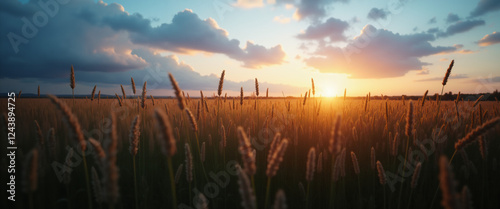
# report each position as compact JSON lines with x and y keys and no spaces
{"x":328,"y":153}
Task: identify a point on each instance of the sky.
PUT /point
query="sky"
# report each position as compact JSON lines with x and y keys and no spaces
{"x":389,"y":47}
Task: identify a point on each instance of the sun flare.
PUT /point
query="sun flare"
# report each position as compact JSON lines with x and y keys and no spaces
{"x":329,"y":91}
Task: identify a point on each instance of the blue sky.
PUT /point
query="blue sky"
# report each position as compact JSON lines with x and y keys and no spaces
{"x":383,"y":47}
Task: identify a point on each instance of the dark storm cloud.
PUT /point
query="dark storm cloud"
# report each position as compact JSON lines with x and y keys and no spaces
{"x":99,"y":37}
{"x":460,"y":27}
{"x":47,"y":47}
{"x":377,"y":53}
{"x":332,"y":28}
{"x":485,"y":6}
{"x":376,"y":13}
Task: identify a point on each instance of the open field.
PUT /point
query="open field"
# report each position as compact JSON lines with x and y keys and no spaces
{"x":329,"y":180}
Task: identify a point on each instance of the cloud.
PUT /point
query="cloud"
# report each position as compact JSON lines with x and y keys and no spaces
{"x":490,"y":39}
{"x":451,"y":18}
{"x":100,"y":37}
{"x":433,"y":30}
{"x":466,"y":51}
{"x":249,"y":3}
{"x":376,"y":13}
{"x":485,"y":6}
{"x":281,"y":19}
{"x":460,"y":27}
{"x":156,"y":75}
{"x":424,"y":71}
{"x":432,"y":20}
{"x":257,"y":56}
{"x":313,"y":9}
{"x":332,"y":28}
{"x":65,"y":39}
{"x":376,"y":53}
{"x":188,"y":33}
{"x":452,"y":76}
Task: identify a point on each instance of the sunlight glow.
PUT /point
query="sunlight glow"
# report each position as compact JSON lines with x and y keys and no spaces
{"x":329,"y":91}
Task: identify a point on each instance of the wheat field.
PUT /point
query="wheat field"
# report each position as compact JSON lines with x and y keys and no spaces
{"x":255,"y":152}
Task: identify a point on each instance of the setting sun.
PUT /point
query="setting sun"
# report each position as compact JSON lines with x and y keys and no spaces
{"x":329,"y":91}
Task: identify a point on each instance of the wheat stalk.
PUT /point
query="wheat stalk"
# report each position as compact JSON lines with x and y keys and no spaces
{"x":466,"y":198}
{"x":192,"y":120}
{"x":280,"y":200}
{"x":99,"y":153}
{"x":474,"y":134}
{"x":381,"y":173}
{"x":425,"y":96}
{"x":97,"y":187}
{"x":221,"y":83}
{"x":177,"y":90}
{"x":305,"y":99}
{"x":111,"y":169}
{"x":416,"y":174}
{"x":30,"y":172}
{"x":245,"y":149}
{"x":178,"y":173}
{"x":477,"y":101}
{"x":274,"y":144}
{"x":144,"y":91}
{"x":447,"y":75}
{"x":133,"y":84}
{"x":72,"y":83}
{"x":276,"y":158}
{"x":164,"y":134}
{"x":134,"y":134}
{"x":119,"y":99}
{"x":123,"y":92}
{"x":311,"y":164}
{"x":409,"y":120}
{"x":241,"y":96}
{"x":447,"y":184}
{"x":246,"y":191}
{"x":93,"y":93}
{"x":334,"y":145}
{"x":39,"y":135}
{"x":71,"y":121}
{"x":189,"y":163}
{"x":52,"y":143}
{"x":313,"y":88}
{"x":355,"y":163}
{"x":256,"y":87}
